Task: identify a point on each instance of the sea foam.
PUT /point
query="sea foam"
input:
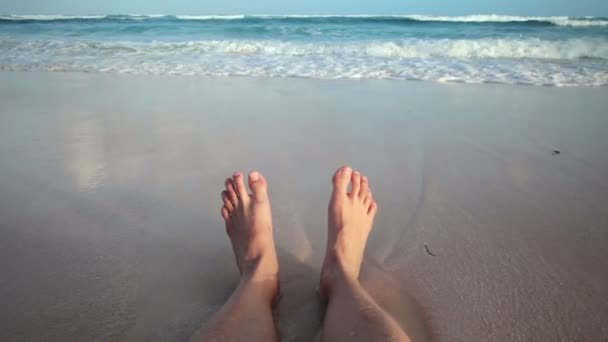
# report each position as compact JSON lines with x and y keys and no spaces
{"x":559,"y":63}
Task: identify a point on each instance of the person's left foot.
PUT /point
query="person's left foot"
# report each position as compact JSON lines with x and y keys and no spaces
{"x":249,"y":226}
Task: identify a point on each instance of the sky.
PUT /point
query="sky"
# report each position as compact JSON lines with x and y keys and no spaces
{"x":430,"y":7}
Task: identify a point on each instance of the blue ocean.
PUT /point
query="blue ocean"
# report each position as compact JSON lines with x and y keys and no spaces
{"x":543,"y":51}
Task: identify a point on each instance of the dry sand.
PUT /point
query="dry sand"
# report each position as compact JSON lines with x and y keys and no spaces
{"x":109,"y":202}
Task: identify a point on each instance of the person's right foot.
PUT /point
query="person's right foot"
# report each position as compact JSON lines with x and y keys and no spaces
{"x":350,"y":220}
{"x":249,"y":226}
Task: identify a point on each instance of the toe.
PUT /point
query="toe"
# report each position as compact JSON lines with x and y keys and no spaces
{"x":240,"y":188}
{"x":367,"y":201}
{"x":364,"y":188}
{"x":227,"y":203}
{"x":373,"y":209}
{"x":341,"y":179}
{"x":232,"y":196}
{"x":258,"y":186}
{"x":225,"y":214}
{"x":356,"y":184}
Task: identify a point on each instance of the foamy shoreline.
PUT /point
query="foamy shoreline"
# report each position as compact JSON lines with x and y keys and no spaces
{"x":109,"y":198}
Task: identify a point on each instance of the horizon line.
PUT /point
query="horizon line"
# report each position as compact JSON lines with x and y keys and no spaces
{"x":304,"y":14}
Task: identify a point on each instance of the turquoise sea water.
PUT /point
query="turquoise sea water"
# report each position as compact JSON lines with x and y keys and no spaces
{"x":554,"y":51}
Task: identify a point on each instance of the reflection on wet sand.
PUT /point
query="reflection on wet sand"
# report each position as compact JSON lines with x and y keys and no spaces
{"x":85,"y":157}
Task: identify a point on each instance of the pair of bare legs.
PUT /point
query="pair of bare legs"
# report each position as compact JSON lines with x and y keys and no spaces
{"x":351,"y":315}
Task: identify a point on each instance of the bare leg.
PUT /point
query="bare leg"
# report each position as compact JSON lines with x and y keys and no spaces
{"x":247,"y":316}
{"x":352,"y":315}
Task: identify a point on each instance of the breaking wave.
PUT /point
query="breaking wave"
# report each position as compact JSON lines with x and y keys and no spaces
{"x":481,"y":18}
{"x":526,"y":61}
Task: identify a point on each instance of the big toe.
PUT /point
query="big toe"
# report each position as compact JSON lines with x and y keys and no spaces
{"x":259,"y":187}
{"x":240,"y":188}
{"x":341,"y":179}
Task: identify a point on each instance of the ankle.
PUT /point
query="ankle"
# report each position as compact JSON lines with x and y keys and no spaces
{"x":256,"y":276}
{"x":263,"y":265}
{"x":266,"y":288}
{"x":337,"y":273}
{"x":342,"y":266}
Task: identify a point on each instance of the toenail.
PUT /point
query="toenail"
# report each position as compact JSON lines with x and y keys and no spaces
{"x":254,"y":176}
{"x":236,"y":174}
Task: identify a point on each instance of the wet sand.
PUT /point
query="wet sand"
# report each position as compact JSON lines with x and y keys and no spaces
{"x":110,"y":196}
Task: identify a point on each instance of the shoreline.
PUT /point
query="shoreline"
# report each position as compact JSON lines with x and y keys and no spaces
{"x":296,"y":78}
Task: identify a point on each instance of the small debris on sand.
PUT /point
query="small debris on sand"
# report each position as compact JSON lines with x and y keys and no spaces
{"x":428,"y":251}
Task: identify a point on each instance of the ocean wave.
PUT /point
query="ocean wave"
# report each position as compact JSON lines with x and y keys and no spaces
{"x":210,"y":17}
{"x":486,"y":48}
{"x":61,"y":17}
{"x":494,"y":18}
{"x":49,"y":17}
{"x":574,"y":62}
{"x":480,"y":18}
{"x":492,"y":48}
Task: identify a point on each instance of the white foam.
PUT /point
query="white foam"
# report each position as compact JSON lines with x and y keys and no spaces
{"x":528,"y":61}
{"x":475,"y":18}
{"x":532,"y":48}
{"x":45,"y":17}
{"x":495,"y":18}
{"x":210,"y":17}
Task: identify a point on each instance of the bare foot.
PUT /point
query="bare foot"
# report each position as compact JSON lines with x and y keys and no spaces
{"x":249,"y":226}
{"x":350,"y":220}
